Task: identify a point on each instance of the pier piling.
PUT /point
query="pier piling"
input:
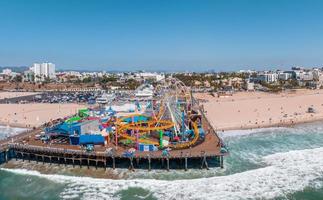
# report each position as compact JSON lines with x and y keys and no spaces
{"x":185,"y":163}
{"x":221,"y":161}
{"x":167,"y":159}
{"x":149,"y":163}
{"x":131,"y":167}
{"x":6,"y":156}
{"x":113,"y":162}
{"x":204,"y":162}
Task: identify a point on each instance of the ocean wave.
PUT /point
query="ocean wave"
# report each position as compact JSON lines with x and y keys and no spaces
{"x":7,"y":131}
{"x":285,"y":173}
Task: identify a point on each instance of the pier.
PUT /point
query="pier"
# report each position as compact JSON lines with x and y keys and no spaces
{"x":113,"y":160}
{"x":24,"y":147}
{"x":178,"y":115}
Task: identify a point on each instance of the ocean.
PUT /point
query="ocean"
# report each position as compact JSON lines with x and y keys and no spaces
{"x":271,"y":163}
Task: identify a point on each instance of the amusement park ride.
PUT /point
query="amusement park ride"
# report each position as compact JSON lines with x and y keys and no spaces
{"x":170,"y":116}
{"x":167,"y":121}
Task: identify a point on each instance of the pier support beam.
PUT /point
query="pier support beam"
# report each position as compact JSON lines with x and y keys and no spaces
{"x":137,"y":161}
{"x":131,"y":167}
{"x":113,"y":162}
{"x":162,"y":162}
{"x":204,"y":162}
{"x":149,"y":163}
{"x":221,"y":161}
{"x":6,"y":156}
{"x":167,"y":159}
{"x":185,"y":163}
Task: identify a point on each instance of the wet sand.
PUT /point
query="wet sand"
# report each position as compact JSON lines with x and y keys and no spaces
{"x":246,"y":110}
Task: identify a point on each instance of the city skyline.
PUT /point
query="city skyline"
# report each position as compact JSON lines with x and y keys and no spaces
{"x":162,"y":35}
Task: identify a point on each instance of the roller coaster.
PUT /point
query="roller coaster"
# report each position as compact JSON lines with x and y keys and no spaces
{"x":172,"y":116}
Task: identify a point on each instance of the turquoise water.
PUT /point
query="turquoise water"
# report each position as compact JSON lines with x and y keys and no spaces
{"x":274,"y":163}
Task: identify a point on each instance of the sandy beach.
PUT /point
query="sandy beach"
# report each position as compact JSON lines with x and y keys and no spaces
{"x":30,"y":115}
{"x":8,"y":95}
{"x":245,"y":110}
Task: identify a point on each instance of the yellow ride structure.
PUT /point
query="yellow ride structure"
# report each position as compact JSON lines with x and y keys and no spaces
{"x":155,"y":122}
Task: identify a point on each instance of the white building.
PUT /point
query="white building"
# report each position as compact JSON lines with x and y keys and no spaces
{"x":145,"y":91}
{"x":304,"y":76}
{"x":249,"y":86}
{"x":268,"y":77}
{"x":7,"y":72}
{"x":43,"y":70}
{"x":317,"y":74}
{"x":284,"y":76}
{"x":154,"y":76}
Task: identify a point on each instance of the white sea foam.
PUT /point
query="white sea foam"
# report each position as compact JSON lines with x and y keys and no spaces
{"x":286,"y":173}
{"x":6,"y":131}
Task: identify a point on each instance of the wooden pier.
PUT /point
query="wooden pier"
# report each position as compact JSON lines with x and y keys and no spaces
{"x":204,"y":155}
{"x":28,"y":153}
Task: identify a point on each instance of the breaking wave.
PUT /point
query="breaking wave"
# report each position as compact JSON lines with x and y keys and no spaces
{"x":283,"y":174}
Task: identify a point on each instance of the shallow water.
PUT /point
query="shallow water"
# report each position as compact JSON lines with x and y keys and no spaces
{"x":274,"y":163}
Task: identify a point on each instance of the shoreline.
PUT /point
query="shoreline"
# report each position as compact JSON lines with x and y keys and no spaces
{"x":15,"y":125}
{"x":250,"y":110}
{"x":277,"y":125}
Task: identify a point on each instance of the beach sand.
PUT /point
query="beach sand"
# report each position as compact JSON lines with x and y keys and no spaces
{"x":34,"y":114}
{"x":15,"y":94}
{"x":245,"y":110}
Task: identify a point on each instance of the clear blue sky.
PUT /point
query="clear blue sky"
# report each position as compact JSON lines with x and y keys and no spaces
{"x":162,"y":34}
